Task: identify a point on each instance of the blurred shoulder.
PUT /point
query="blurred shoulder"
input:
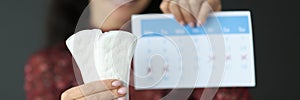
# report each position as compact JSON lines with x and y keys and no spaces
{"x":48,"y":73}
{"x":51,"y":52}
{"x":56,"y":54}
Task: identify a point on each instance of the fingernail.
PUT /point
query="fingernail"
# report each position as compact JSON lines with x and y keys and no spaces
{"x":181,"y":23}
{"x":121,"y":98}
{"x":122,"y":90}
{"x":116,"y":83}
{"x":199,"y":23}
{"x":191,"y":24}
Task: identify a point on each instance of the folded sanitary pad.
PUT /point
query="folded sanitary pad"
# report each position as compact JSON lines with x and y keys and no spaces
{"x":103,"y":56}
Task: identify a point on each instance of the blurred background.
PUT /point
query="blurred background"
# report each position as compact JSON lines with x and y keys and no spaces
{"x":275,"y":25}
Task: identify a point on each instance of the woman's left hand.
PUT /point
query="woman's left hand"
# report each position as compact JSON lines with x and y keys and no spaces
{"x":190,"y":12}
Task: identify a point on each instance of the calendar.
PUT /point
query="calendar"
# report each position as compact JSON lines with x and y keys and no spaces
{"x":217,"y":54}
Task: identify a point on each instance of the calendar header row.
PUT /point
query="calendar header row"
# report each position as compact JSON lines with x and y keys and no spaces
{"x":213,"y":25}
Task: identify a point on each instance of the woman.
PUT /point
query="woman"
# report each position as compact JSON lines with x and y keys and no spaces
{"x":49,"y":72}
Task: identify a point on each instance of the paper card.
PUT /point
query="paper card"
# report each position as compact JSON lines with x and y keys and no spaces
{"x":217,"y":54}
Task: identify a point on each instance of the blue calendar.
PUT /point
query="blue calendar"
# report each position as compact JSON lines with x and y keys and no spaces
{"x":217,"y":54}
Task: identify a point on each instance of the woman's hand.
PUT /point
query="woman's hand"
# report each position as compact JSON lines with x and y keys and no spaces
{"x":113,"y":14}
{"x":98,"y":90}
{"x":190,"y":12}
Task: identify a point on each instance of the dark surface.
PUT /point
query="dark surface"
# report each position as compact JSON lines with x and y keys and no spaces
{"x":274,"y":28}
{"x":276,"y":47}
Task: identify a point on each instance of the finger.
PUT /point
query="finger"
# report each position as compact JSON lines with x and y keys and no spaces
{"x":204,"y":11}
{"x":186,"y":12}
{"x":164,"y":6}
{"x":121,"y":98}
{"x":90,"y":88}
{"x":188,"y":18}
{"x":106,"y":95}
{"x":175,"y":10}
{"x":195,"y":6}
{"x":215,"y":4}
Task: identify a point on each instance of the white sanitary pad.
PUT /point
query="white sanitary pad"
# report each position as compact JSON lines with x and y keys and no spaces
{"x":103,"y":56}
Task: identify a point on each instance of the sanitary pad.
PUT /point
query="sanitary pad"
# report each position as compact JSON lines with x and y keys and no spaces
{"x":103,"y":56}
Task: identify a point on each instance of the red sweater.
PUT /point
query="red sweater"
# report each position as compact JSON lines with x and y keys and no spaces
{"x":49,"y":73}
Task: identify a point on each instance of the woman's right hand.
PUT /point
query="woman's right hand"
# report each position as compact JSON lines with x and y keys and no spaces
{"x":99,"y":90}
